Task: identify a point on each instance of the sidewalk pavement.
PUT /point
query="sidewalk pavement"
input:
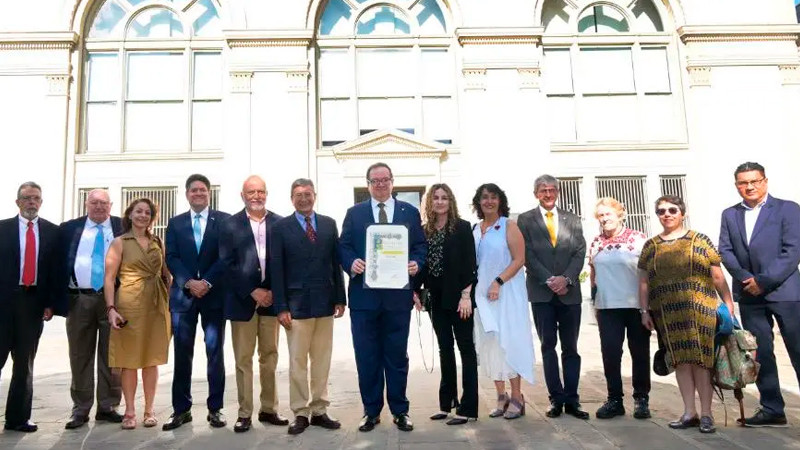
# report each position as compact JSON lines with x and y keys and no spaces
{"x":52,"y":406}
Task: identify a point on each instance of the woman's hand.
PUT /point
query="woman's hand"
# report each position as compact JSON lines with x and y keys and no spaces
{"x":115,"y":319}
{"x":494,"y":291}
{"x":647,"y":321}
{"x":417,"y":302}
{"x":465,"y":308}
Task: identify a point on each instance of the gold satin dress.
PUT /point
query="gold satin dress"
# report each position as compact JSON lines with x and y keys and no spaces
{"x":143,"y":301}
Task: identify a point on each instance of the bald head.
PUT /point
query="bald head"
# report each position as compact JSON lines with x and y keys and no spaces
{"x":98,"y":205}
{"x":254,"y":195}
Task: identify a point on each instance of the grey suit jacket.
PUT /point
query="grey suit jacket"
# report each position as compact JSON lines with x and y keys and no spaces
{"x":543,"y":261}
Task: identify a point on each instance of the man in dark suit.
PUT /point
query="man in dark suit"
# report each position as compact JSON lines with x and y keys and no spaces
{"x":554,"y":252}
{"x":759,"y":242}
{"x":29,"y":258}
{"x":380,"y":318}
{"x":79,"y":297}
{"x":197,"y":290}
{"x":308,"y":291}
{"x":244,"y":248}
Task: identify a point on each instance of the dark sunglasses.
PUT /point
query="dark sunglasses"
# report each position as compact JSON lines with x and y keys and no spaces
{"x":672,"y":210}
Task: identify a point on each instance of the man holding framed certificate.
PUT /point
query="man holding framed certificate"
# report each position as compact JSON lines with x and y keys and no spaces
{"x":382,"y":248}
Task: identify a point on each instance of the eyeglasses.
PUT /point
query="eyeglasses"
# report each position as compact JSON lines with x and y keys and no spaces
{"x":257,"y":192}
{"x":672,"y":210}
{"x":377,"y":181}
{"x":26,"y":198}
{"x":747,"y":184}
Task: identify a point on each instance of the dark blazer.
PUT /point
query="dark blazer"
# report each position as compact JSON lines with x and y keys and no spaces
{"x":185,"y":264}
{"x":352,"y":246}
{"x":47,"y":262}
{"x":238,"y":252}
{"x":306,"y":277}
{"x":542,"y":260}
{"x":69,"y":239}
{"x":459,"y":266}
{"x":771,"y":256}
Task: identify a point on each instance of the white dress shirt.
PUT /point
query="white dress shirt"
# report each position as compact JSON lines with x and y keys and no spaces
{"x":203,"y":221}
{"x":555,"y":217}
{"x":388,"y":207}
{"x":83,"y":257}
{"x":751,"y":216}
{"x":23,"y":231}
{"x":259,"y":228}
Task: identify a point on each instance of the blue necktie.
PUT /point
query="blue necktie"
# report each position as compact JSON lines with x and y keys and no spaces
{"x":98,"y":259}
{"x":198,"y":235}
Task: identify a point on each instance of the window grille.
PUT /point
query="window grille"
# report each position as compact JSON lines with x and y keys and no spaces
{"x":165,"y":199}
{"x":632,"y":193}
{"x":83,"y":194}
{"x":569,"y":197}
{"x":214,"y":200}
{"x":675,"y":185}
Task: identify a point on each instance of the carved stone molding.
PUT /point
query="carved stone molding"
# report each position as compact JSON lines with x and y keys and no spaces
{"x":738,"y":33}
{"x":388,"y":143}
{"x":58,"y":85}
{"x":699,"y":76}
{"x":500,"y":36}
{"x":240,"y":82}
{"x":790,"y":74}
{"x":475,"y":79}
{"x":269,"y":38}
{"x":38,"y":41}
{"x":297,"y":81}
{"x":529,"y":77}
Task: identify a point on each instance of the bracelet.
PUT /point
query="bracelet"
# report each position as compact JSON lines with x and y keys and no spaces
{"x":499,"y":281}
{"x":644,"y":311}
{"x":109,"y":308}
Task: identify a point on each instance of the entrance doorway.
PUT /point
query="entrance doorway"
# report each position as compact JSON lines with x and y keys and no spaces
{"x":408,"y":194}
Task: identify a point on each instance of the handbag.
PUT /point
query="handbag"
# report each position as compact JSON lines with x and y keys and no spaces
{"x":724,"y":321}
{"x":425,"y":299}
{"x":735,"y":366}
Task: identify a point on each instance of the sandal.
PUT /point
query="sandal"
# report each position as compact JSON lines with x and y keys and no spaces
{"x":128,"y":422}
{"x":502,"y":405}
{"x":149,"y":420}
{"x":516,"y":409}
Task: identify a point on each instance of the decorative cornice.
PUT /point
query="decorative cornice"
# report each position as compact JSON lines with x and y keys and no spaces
{"x":58,"y":40}
{"x":58,"y":85}
{"x":529,"y":77}
{"x":738,"y":33}
{"x":388,"y":144}
{"x":790,"y":74}
{"x":240,"y":82}
{"x":149,"y":156}
{"x":619,"y":146}
{"x":699,"y":76}
{"x":269,"y":38}
{"x":297,"y":81}
{"x":474,"y":79}
{"x":500,"y":36}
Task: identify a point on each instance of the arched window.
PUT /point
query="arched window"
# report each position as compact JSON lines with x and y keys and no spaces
{"x":608,"y":73}
{"x":153,"y":77}
{"x":385,"y":66}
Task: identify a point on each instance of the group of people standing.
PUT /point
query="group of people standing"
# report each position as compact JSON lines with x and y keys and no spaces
{"x":125,"y":294}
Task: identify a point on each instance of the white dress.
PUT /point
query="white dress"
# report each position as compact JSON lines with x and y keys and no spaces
{"x":503,"y":330}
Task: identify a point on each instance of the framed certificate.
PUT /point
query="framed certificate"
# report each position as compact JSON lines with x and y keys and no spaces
{"x":387,"y":257}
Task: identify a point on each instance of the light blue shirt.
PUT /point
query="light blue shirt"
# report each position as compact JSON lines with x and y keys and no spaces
{"x":203,"y":219}
{"x":302,"y":219}
{"x":83,"y":256}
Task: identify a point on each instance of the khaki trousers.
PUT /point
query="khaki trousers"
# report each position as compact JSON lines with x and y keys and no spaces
{"x":262,"y":330}
{"x":309,"y":339}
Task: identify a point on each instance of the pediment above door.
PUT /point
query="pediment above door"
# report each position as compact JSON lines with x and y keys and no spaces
{"x":389,"y":144}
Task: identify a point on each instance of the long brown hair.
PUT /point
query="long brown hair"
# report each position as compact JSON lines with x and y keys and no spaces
{"x":429,"y":226}
{"x":127,"y":224}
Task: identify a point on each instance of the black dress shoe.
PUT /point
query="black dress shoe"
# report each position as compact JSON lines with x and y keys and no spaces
{"x":273,"y":418}
{"x":554,"y":410}
{"x":440,"y":416}
{"x":575,"y":410}
{"x":216,"y":419}
{"x":762,"y":418}
{"x":108,"y":416}
{"x":325,"y":421}
{"x":403,"y":422}
{"x":27,"y":427}
{"x":460,"y":420}
{"x":684,"y":423}
{"x":76,"y":422}
{"x":299,"y":425}
{"x":368,"y":423}
{"x":242,"y":424}
{"x":176,"y":420}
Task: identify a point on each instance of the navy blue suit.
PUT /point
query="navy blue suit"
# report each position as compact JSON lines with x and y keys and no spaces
{"x":380,"y":318}
{"x":185,"y":264}
{"x":771,"y":257}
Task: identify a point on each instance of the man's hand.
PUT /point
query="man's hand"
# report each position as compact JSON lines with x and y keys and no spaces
{"x":198,"y":288}
{"x":563,"y":291}
{"x":338,"y":311}
{"x":262,"y":297}
{"x":751,"y":287}
{"x":417,"y":302}
{"x":285,"y":318}
{"x":48,"y":314}
{"x":358,"y":267}
{"x":413,"y":268}
{"x":557,"y":284}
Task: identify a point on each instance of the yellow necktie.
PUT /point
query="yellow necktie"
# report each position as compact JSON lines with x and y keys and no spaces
{"x":551,"y":227}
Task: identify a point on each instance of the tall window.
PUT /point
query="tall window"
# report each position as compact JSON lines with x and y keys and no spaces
{"x":632,"y":193}
{"x":607,"y":73}
{"x":165,"y":199}
{"x":386,"y":66}
{"x":570,"y":196}
{"x":153,"y":77}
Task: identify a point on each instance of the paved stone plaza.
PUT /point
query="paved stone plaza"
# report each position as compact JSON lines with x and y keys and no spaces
{"x":52,"y":410}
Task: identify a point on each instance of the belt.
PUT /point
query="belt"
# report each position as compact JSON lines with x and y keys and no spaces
{"x":85,"y":291}
{"x":27,"y":289}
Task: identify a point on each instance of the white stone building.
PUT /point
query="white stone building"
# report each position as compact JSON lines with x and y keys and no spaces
{"x":630,"y":98}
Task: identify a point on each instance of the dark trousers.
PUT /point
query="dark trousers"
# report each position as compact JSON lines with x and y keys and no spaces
{"x":380,"y":340}
{"x":759,"y":318}
{"x":19,"y":337}
{"x":613,"y":324}
{"x":448,"y":324}
{"x":184,"y":327}
{"x":87,"y":334}
{"x":555,"y":320}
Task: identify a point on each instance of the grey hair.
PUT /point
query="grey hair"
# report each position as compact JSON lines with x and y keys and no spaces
{"x":302,"y":182}
{"x":27,"y":184}
{"x":546,"y":180}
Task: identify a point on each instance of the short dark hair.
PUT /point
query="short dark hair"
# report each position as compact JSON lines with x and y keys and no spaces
{"x":127,"y":224}
{"x":491,"y":188}
{"x":27,"y":184}
{"x":749,"y":167}
{"x":378,"y":165}
{"x":675,"y":200}
{"x":301,"y":182}
{"x":198,"y":177}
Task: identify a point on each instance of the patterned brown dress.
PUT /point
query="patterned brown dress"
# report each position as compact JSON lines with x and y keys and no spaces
{"x":682,"y":296}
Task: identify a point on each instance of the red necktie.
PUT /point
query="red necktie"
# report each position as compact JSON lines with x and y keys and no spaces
{"x":310,"y":233}
{"x":29,"y":267}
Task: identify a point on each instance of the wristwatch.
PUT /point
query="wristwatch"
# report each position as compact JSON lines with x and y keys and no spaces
{"x":499,"y":281}
{"x":569,"y":281}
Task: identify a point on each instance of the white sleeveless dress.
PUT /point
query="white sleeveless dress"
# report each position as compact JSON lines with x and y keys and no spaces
{"x":503,"y":330}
